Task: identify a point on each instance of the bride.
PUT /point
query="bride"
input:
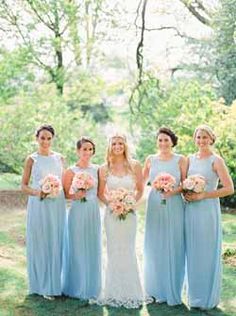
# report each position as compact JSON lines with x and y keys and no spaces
{"x":122,"y":282}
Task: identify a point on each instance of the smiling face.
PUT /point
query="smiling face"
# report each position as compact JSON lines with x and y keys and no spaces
{"x":86,"y":151}
{"x":164,"y":143}
{"x":44,"y":140}
{"x":117,"y":146}
{"x":203,"y":140}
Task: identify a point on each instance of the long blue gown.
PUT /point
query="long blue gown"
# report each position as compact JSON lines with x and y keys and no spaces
{"x":45,"y":226}
{"x":82,"y":253}
{"x":203,"y":240}
{"x":164,"y":248}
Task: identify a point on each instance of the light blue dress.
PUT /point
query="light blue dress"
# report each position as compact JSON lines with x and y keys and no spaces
{"x":44,"y":235}
{"x":82,"y":253}
{"x":203,"y":240}
{"x":164,"y":248}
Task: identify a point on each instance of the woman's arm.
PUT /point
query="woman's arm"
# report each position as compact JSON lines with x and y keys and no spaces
{"x":225,"y":179}
{"x":63,"y":162}
{"x":26,"y":178}
{"x":102,"y":185}
{"x":67,"y":181}
{"x":184,"y":165}
{"x":146,"y":169}
{"x":139,"y":180}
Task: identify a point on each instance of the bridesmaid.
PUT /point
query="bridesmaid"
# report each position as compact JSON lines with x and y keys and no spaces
{"x":203,"y":222}
{"x":82,"y":256}
{"x":45,"y":219}
{"x":164,"y":251}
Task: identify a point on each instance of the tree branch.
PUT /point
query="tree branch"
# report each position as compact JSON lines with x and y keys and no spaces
{"x":192,"y":6}
{"x":49,"y":25}
{"x":137,"y":13}
{"x":139,"y":50}
{"x":170,"y":28}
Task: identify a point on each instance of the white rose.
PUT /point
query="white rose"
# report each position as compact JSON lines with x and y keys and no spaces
{"x":188,"y":184}
{"x":198,"y":188}
{"x":46,"y":188}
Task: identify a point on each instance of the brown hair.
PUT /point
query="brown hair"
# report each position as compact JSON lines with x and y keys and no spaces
{"x":46,"y":127}
{"x":85,"y":139}
{"x":168,"y":132}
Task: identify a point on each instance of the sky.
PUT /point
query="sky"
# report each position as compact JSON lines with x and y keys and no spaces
{"x":162,"y":51}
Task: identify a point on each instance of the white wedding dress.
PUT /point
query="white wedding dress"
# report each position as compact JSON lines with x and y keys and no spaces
{"x":122,"y":286}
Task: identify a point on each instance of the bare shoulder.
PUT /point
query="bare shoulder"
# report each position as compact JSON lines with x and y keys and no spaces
{"x":69,"y":172}
{"x":150,"y":157}
{"x":102,"y":173}
{"x":135,"y":163}
{"x":183,"y":159}
{"x":29,"y":161}
{"x":103,"y":169}
{"x":148,"y":160}
{"x":219,"y":161}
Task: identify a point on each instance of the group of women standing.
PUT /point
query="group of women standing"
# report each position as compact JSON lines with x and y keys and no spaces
{"x":64,"y":248}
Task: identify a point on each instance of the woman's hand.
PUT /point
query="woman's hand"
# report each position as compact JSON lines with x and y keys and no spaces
{"x":191,"y":196}
{"x":41,"y":194}
{"x":79,"y":195}
{"x":37,"y":193}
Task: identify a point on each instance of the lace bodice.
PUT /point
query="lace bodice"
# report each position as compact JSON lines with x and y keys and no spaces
{"x":114,"y":182}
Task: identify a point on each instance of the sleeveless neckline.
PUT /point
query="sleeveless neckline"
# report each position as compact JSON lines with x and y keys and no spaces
{"x":202,"y":159}
{"x":165,"y":160}
{"x":120,"y":177}
{"x":53,"y":154}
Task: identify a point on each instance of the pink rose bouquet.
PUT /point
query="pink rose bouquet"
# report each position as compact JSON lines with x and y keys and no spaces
{"x":81,"y":181}
{"x":50,"y":186}
{"x":122,"y":202}
{"x":164,"y":182}
{"x":194,"y":183}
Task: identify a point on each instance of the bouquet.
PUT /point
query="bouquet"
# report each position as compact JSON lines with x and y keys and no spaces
{"x":195,"y":183}
{"x":50,"y":186}
{"x":81,"y":181}
{"x":122,"y":202}
{"x":164,"y":182}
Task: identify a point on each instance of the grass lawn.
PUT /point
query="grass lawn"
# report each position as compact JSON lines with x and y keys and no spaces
{"x":13,"y":282}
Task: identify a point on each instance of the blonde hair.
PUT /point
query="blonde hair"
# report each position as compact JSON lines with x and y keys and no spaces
{"x":110,"y":156}
{"x":207,"y":129}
